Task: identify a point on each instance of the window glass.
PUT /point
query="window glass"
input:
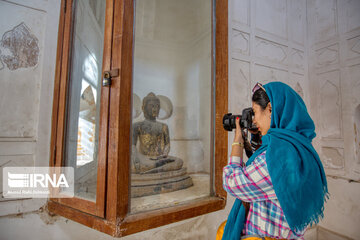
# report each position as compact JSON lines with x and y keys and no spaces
{"x":83,"y":98}
{"x":172,"y":103}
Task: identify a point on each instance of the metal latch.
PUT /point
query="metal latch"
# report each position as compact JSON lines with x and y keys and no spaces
{"x":108,"y":75}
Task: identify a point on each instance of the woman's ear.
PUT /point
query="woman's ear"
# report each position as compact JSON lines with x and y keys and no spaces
{"x":269,"y":109}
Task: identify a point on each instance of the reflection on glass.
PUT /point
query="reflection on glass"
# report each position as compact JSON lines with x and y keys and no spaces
{"x":83,"y":100}
{"x":172,"y":80}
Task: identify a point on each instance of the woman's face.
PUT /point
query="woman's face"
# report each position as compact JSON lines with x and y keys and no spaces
{"x":262,"y":118}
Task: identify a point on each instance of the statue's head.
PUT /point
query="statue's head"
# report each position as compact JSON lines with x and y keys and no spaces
{"x":151,"y":106}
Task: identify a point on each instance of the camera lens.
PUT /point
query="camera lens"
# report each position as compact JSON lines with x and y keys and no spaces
{"x":229,"y":121}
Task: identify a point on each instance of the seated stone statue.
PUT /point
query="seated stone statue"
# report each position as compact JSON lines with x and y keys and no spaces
{"x":153,"y":171}
{"x":153,"y":140}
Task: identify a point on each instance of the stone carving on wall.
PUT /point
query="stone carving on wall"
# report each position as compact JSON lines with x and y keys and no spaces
{"x":240,"y":42}
{"x":265,"y":74}
{"x":330,"y":102}
{"x":297,"y":81}
{"x":297,"y":58}
{"x":353,"y":45}
{"x":270,"y":50}
{"x":354,"y":73}
{"x":357,"y":133}
{"x":153,"y":170}
{"x":19,"y":48}
{"x":334,"y":157}
{"x":356,"y":47}
{"x":327,"y":55}
{"x":299,"y":90}
{"x":239,"y":93}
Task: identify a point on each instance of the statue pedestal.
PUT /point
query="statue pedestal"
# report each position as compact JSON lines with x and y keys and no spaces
{"x":162,"y":182}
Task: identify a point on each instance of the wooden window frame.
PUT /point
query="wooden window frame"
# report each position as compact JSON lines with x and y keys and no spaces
{"x":110,"y":213}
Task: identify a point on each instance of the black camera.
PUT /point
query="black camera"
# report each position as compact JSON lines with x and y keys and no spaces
{"x":246,"y":123}
{"x":245,"y":120}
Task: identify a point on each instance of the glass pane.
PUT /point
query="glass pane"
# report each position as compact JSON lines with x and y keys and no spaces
{"x":172,"y":100}
{"x":83,"y":103}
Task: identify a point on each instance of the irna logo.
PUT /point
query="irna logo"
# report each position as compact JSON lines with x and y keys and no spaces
{"x":38,"y":182}
{"x":16,"y":180}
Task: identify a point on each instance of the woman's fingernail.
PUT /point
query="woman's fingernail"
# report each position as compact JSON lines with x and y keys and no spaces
{"x":237,"y":118}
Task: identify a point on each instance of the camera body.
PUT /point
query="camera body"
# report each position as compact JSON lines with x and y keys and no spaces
{"x":245,"y":120}
{"x":246,"y":123}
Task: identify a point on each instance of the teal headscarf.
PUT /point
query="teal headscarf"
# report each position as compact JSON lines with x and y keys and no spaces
{"x":294,"y":166}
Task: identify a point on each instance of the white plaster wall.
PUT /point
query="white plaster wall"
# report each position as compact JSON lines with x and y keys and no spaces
{"x":268,"y":42}
{"x":334,"y":73}
{"x":26,"y":95}
{"x":258,"y":51}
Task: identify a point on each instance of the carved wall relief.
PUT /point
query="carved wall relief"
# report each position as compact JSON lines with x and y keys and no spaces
{"x":354,"y":74}
{"x":19,"y":48}
{"x":327,"y":55}
{"x":265,"y":74}
{"x":239,"y":94}
{"x":297,"y":83}
{"x":353,"y":47}
{"x":330,"y":105}
{"x":333,"y":157}
{"x":354,"y":84}
{"x":357,"y":134}
{"x":334,"y":52}
{"x":299,"y":90}
{"x":270,"y":51}
{"x":240,"y":42}
{"x":297,"y":57}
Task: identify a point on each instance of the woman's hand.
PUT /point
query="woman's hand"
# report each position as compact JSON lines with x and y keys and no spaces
{"x":237,"y":150}
{"x":238,"y":132}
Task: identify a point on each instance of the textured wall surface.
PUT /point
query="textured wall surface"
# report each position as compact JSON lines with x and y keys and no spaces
{"x":267,"y":42}
{"x":28,"y":36}
{"x":313,"y":45}
{"x":334,"y":60}
{"x":334,"y":73}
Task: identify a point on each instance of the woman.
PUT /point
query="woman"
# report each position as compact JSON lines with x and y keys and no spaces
{"x":284,"y":180}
